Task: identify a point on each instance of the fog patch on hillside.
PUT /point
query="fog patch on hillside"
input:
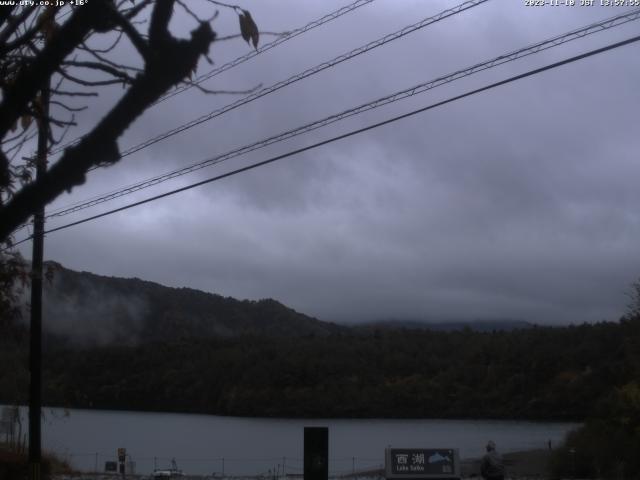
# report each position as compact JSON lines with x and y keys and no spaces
{"x":94,"y":317}
{"x":88,"y":314}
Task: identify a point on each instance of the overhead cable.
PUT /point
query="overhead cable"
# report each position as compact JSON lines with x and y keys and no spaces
{"x":302,"y":75}
{"x":349,"y":134}
{"x":307,"y":73}
{"x":409,"y":92}
{"x":268,"y":46}
{"x":248,"y":56}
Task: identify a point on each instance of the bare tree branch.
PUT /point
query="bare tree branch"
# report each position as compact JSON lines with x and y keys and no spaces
{"x":34,"y":49}
{"x":92,"y":83}
{"x":102,"y":59}
{"x":115,"y":72}
{"x":29,"y":80}
{"x":74,"y":94}
{"x":13,"y":24}
{"x":136,"y":39}
{"x":67,"y":107}
{"x":134,"y":11}
{"x":159,"y":28}
{"x":5,"y":13}
{"x":99,"y":147}
{"x":107,"y":49}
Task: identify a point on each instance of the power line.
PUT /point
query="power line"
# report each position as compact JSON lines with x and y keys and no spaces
{"x":268,"y":46}
{"x":403,"y":94}
{"x":243,"y":58}
{"x":301,"y":76}
{"x":307,"y":73}
{"x":350,"y":134}
{"x":520,"y":53}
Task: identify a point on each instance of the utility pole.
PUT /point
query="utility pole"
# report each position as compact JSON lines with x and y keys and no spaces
{"x":35,"y":344}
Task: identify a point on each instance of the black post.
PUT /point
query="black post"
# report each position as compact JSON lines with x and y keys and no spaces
{"x":35,"y":346}
{"x":316,"y":453}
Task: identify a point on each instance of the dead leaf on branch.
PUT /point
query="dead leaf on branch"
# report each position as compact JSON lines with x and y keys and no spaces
{"x":47,"y":22}
{"x":38,"y":107}
{"x":25,"y":121}
{"x":248,"y":28}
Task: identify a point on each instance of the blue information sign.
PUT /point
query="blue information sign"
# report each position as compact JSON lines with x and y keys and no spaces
{"x":418,"y":463}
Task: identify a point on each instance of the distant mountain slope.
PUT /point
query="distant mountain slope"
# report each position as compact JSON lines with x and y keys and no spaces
{"x":91,"y":309}
{"x":268,"y":360}
{"x":96,"y":309}
{"x":498,"y":325}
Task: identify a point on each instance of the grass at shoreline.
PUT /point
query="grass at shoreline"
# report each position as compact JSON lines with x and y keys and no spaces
{"x":14,"y":464}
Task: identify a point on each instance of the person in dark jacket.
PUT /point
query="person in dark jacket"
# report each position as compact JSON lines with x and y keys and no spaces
{"x":491,"y":467}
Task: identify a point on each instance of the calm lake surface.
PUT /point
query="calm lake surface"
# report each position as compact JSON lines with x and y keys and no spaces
{"x":204,"y":444}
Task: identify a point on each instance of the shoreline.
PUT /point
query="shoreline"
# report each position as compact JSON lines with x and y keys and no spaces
{"x":311,"y":418}
{"x":521,"y":465}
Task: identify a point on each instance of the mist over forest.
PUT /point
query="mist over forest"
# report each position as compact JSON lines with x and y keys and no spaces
{"x":135,"y":345}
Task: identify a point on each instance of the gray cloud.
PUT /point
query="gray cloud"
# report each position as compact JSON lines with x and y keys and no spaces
{"x":95,"y":318}
{"x":520,"y":202}
{"x":89,"y":315}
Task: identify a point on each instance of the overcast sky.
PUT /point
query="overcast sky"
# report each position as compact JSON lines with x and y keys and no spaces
{"x":521,"y":202}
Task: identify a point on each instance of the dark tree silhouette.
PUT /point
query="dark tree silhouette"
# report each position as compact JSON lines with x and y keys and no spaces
{"x":39,"y":45}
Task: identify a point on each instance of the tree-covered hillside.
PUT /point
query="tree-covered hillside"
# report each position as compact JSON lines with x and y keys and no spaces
{"x":538,"y":373}
{"x":130,"y":344}
{"x":84,"y":308}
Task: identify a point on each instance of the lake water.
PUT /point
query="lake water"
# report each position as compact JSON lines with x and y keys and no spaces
{"x":204,"y":444}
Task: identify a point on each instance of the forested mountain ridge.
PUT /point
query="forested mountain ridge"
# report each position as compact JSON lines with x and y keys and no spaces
{"x":476,"y":325}
{"x":561,"y":373}
{"x":88,"y":309}
{"x":98,"y":310}
{"x":198,"y":352}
